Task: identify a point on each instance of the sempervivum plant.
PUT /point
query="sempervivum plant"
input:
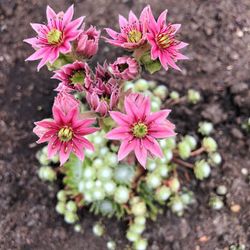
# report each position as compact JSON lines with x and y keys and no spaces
{"x":111,"y":143}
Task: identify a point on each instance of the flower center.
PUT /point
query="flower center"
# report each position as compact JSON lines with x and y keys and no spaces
{"x":77,"y":77}
{"x":134,"y":36}
{"x":140,"y":130}
{"x":164,"y":41}
{"x":54,"y":36}
{"x":122,"y":67}
{"x":65,"y":134}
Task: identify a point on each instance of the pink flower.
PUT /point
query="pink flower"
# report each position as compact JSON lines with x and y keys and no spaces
{"x":126,"y":68}
{"x":103,"y":94}
{"x":73,"y":76}
{"x":87,"y":42}
{"x":139,"y":129}
{"x":132,"y":34}
{"x":55,"y":37}
{"x":161,"y":36}
{"x":65,"y":133}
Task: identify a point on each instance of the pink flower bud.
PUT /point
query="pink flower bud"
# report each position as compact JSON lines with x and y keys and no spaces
{"x":126,"y":68}
{"x":65,"y":102}
{"x":87,"y":42}
{"x":103,"y":94}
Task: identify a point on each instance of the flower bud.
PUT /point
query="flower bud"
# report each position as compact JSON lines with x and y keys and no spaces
{"x":121,"y":195}
{"x":98,"y":194}
{"x":193,"y":96}
{"x":170,"y":143}
{"x":174,"y":184}
{"x":187,"y":198}
{"x":98,"y":229}
{"x":60,"y":207}
{"x":132,"y":236}
{"x":177,"y":205}
{"x":174,"y":95}
{"x":89,"y":185}
{"x":152,"y":84}
{"x":216,"y":203}
{"x":163,"y":193}
{"x":161,"y":92}
{"x":140,"y":220}
{"x":78,"y":228}
{"x":137,"y":228}
{"x":191,"y":141}
{"x":111,"y":245}
{"x":221,"y":190}
{"x":124,"y":174}
{"x":125,"y":67}
{"x":104,"y":173}
{"x":139,"y":209}
{"x":88,"y":197}
{"x":155,"y":106}
{"x":97,"y":163}
{"x":89,"y":173}
{"x":162,"y":170}
{"x":71,"y":206}
{"x":209,"y":144}
{"x":215,"y":158}
{"x":141,"y":85}
{"x":87,"y":42}
{"x":151,"y":165}
{"x":46,"y":173}
{"x":153,"y":180}
{"x":70,"y":217}
{"x":184,"y":149}
{"x":43,"y":159}
{"x":61,"y":195}
{"x":140,"y":244}
{"x":106,"y":207}
{"x":201,"y":169}
{"x":109,"y":187}
{"x":205,"y":128}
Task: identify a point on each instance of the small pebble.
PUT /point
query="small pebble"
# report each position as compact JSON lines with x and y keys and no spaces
{"x":235,"y":208}
{"x":244,"y":171}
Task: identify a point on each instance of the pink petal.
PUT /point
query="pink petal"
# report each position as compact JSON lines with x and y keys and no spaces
{"x":47,"y":136}
{"x":176,"y":27}
{"x":162,"y":19}
{"x":122,"y":21}
{"x":125,"y":148}
{"x":144,"y":108}
{"x":53,"y":147}
{"x":119,"y":133}
{"x":120,"y":118}
{"x":112,"y":33}
{"x":181,"y":45}
{"x":141,"y":153}
{"x":161,"y":131}
{"x":32,"y":41}
{"x":153,"y":146}
{"x":159,"y":116}
{"x":64,"y":152}
{"x":50,"y":14}
{"x":67,"y":17}
{"x":180,"y":56}
{"x":74,"y":24}
{"x":38,"y":54}
{"x":130,"y":108}
{"x":38,"y":27}
{"x":78,"y":151}
{"x":132,"y":18}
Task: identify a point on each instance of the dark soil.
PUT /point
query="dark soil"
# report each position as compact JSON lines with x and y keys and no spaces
{"x":219,"y":37}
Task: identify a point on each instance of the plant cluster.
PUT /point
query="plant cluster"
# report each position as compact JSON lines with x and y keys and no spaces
{"x":135,"y":178}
